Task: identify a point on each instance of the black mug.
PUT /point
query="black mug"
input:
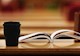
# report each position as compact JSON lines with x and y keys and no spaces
{"x":11,"y":33}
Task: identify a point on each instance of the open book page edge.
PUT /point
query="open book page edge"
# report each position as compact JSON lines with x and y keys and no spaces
{"x":32,"y":34}
{"x":53,"y":35}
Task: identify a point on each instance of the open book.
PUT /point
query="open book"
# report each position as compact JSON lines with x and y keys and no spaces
{"x":41,"y":35}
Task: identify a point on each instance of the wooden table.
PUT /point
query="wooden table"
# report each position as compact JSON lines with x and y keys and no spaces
{"x":41,"y":47}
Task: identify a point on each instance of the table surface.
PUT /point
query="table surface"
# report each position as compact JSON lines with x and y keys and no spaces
{"x":60,"y":46}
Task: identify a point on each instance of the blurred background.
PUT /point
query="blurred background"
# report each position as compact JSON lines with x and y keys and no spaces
{"x":39,"y":15}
